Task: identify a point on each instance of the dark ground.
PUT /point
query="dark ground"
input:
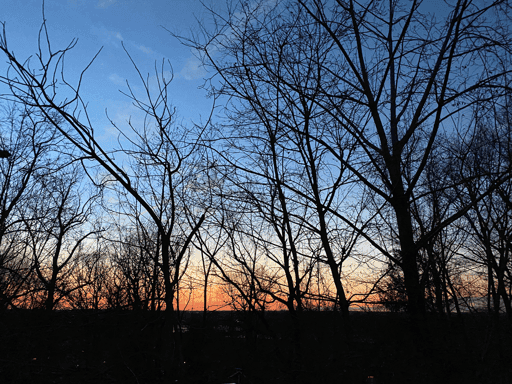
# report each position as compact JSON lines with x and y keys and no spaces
{"x":124,"y":347}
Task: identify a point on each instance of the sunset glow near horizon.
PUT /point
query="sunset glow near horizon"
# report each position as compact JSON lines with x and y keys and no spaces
{"x":144,"y":29}
{"x":257,"y":191}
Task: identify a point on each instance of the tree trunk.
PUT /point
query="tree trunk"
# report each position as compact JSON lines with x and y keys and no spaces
{"x":409,"y":255}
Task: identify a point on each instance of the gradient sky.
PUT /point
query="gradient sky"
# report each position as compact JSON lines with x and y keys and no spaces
{"x":138,"y":24}
{"x":141,"y":25}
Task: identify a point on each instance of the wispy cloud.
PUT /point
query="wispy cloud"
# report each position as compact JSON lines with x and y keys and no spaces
{"x":105,"y":3}
{"x":146,"y":50}
{"x":120,"y":112}
{"x":107,"y":37}
{"x":117,"y":80}
{"x":193,"y":69}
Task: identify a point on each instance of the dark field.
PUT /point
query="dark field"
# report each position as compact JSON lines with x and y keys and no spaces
{"x":125,"y":347}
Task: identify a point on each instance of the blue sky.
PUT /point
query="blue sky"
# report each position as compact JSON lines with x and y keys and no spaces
{"x":138,"y":24}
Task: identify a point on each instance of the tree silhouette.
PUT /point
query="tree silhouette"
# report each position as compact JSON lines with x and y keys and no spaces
{"x":386,"y":78}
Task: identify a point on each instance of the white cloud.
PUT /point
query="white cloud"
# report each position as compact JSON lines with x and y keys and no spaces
{"x":146,"y":50}
{"x":105,"y":3}
{"x":193,"y":69}
{"x":120,"y":112}
{"x":107,"y":37}
{"x":116,"y":79}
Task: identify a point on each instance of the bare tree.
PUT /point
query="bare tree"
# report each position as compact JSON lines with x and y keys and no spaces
{"x":135,"y":256}
{"x":388,"y":76}
{"x":485,"y":155}
{"x":58,"y":221}
{"x":94,"y":280}
{"x":161,"y":156}
{"x":29,"y":141}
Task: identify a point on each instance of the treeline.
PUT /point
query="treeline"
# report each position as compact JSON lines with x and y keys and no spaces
{"x":359,"y":155}
{"x":70,"y":244}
